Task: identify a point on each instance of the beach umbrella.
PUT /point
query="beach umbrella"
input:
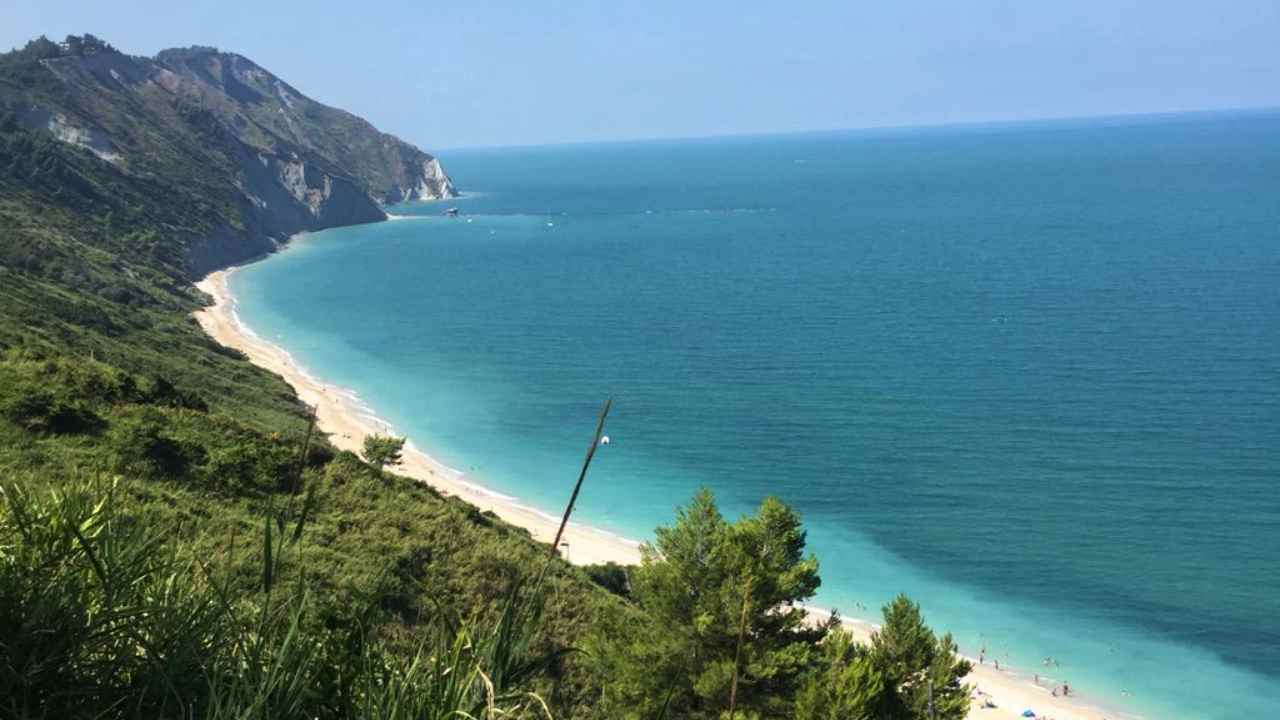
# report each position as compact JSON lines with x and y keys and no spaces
{"x":1028,"y":713}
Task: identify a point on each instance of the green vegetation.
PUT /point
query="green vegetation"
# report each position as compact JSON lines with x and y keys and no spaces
{"x":381,"y":451}
{"x":174,"y":542}
{"x":921,"y":671}
{"x":720,"y":602}
{"x":102,"y":616}
{"x":846,"y":686}
{"x":409,"y":568}
{"x":723,"y":633}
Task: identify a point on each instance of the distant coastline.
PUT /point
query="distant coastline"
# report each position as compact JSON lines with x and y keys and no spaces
{"x":347,"y":420}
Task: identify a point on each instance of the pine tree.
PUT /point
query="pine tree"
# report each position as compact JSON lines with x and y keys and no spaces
{"x":381,"y":451}
{"x":847,"y":687}
{"x":922,"y":671}
{"x":722,"y":626}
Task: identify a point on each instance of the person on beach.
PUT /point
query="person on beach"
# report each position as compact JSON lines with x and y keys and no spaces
{"x":997,"y":662}
{"x":1066,"y":689}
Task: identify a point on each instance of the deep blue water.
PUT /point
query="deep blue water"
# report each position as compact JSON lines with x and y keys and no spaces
{"x":1029,"y":374}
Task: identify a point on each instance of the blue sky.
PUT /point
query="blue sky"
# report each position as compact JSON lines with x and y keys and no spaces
{"x":495,"y":73}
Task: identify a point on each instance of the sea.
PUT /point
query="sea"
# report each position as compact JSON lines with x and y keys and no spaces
{"x":1027,"y":374}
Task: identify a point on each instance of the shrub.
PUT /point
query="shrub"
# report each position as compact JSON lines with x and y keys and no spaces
{"x":140,"y":445}
{"x":40,"y":411}
{"x":611,"y":576}
{"x":102,"y":617}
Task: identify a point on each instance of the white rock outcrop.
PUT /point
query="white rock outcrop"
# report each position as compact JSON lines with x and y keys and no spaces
{"x":62,"y":127}
{"x":433,"y":183}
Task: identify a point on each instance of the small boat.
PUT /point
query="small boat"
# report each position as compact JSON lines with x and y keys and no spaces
{"x":451,"y":212}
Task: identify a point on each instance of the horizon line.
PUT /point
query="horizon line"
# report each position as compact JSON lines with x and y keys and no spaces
{"x":974,"y":124}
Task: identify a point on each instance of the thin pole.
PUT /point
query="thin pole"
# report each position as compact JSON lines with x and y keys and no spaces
{"x":591,"y":451}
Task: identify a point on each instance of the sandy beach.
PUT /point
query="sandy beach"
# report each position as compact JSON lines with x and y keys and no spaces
{"x":347,"y":422}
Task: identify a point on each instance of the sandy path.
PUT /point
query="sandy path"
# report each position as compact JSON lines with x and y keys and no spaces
{"x":347,"y":423}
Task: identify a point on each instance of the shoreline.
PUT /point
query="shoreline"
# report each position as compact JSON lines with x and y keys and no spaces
{"x":346,"y":420}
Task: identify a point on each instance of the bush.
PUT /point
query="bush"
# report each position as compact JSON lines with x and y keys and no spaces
{"x":611,"y":576}
{"x":141,"y":446}
{"x":164,"y":393}
{"x":41,"y":411}
{"x":245,"y":463}
{"x":88,"y":611}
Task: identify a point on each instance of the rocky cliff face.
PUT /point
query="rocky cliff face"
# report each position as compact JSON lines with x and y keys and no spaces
{"x":272,"y":116}
{"x":269,"y":161}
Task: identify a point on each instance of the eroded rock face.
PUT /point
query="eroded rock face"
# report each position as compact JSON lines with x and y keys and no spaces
{"x":291,"y":194}
{"x":66,"y":130}
{"x":272,"y":116}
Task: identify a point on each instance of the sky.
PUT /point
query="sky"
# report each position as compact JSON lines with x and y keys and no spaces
{"x":447,"y":75}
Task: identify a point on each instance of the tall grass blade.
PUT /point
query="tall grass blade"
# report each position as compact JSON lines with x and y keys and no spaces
{"x":586,"y":463}
{"x":268,"y":567}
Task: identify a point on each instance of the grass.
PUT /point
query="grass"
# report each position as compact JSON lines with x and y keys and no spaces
{"x":287,"y":551}
{"x":104,"y":616}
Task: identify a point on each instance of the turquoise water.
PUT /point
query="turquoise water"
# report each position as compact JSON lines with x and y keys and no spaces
{"x":1028,"y":374}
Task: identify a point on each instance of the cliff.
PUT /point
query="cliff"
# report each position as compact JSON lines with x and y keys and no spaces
{"x":259,"y":160}
{"x":272,"y":116}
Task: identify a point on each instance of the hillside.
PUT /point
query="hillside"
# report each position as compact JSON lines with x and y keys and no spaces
{"x":110,"y":394}
{"x":254,"y":158}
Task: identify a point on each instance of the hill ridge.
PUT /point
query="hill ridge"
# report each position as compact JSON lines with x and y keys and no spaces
{"x":270,"y":160}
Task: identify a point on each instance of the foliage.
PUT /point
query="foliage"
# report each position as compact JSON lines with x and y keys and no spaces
{"x":104,"y":618}
{"x":142,"y":446}
{"x":382,"y":557}
{"x":90,"y":609}
{"x":846,"y":685}
{"x":41,"y":411}
{"x":381,"y":451}
{"x":720,"y":600}
{"x":921,"y":670}
{"x":611,"y":576}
